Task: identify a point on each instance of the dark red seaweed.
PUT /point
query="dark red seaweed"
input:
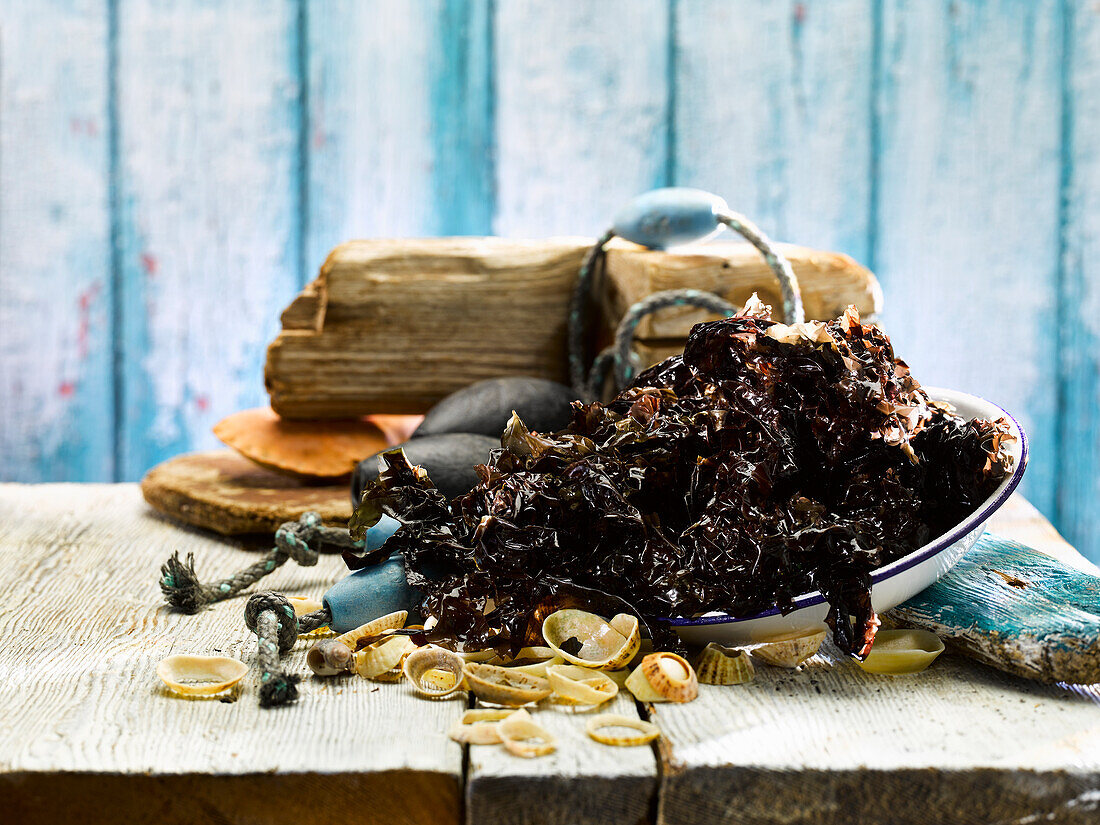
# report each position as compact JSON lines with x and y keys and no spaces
{"x":765,"y":462}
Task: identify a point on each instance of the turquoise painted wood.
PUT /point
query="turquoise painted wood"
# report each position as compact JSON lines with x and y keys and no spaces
{"x":949,"y":145}
{"x":208,"y":237}
{"x":966,"y":235}
{"x":1015,"y":609}
{"x":56,"y":286}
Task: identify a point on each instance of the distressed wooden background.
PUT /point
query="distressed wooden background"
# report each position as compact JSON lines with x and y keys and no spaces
{"x":171,"y":171}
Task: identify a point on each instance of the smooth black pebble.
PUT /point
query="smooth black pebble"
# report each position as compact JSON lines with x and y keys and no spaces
{"x":449,"y":460}
{"x":486,"y":406}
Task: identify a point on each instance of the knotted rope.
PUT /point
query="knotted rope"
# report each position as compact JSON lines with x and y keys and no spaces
{"x":293,"y":540}
{"x":271,"y":617}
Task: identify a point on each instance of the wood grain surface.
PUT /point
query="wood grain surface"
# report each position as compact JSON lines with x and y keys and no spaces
{"x":89,"y":733}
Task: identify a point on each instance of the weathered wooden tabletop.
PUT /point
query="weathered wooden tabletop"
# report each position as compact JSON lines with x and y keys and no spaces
{"x":88,"y":733}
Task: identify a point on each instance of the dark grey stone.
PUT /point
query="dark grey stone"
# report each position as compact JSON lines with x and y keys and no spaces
{"x":486,"y":406}
{"x":448,"y":458}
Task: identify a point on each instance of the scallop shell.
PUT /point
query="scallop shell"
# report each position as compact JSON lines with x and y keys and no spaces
{"x":897,"y":652}
{"x":330,"y":657}
{"x":718,"y":665}
{"x":504,"y":686}
{"x":200,"y":675}
{"x":663,"y":677}
{"x":791,"y":651}
{"x":375,"y":627}
{"x":581,"y":685}
{"x":647,"y":731}
{"x":522,"y":737}
{"x":434,"y":671}
{"x":605,"y":645}
{"x":373,"y":661}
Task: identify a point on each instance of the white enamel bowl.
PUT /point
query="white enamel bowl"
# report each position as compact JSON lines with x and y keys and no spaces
{"x":892,"y":584}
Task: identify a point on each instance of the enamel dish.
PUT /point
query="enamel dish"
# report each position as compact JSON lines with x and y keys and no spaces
{"x":892,"y":584}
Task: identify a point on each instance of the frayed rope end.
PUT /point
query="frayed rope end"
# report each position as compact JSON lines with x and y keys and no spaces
{"x":180,"y":584}
{"x":280,"y":689}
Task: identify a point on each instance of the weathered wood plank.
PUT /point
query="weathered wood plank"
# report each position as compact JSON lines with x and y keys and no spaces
{"x":82,"y":704}
{"x":1079,"y":448}
{"x":56,"y":291}
{"x":773,"y":111}
{"x":581,"y":111}
{"x":581,"y":783}
{"x":968,"y":205}
{"x":209,"y":115}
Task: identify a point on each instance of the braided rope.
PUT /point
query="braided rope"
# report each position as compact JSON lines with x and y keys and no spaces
{"x":311,"y":621}
{"x":793,"y":313}
{"x":579,"y":303}
{"x":271,"y":617}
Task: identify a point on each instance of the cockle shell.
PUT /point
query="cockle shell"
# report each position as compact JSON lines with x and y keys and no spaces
{"x":578,"y":685}
{"x":374,"y":660}
{"x":718,"y":665}
{"x":373,"y":628}
{"x":433,"y":671}
{"x":330,"y":657}
{"x":663,"y":677}
{"x":897,"y":652}
{"x":791,"y":651}
{"x":522,"y":737}
{"x":596,"y":726}
{"x":504,"y":686}
{"x":200,"y":675}
{"x":604,"y":645}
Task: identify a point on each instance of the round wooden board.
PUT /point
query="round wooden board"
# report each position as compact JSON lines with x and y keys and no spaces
{"x":227,"y":493}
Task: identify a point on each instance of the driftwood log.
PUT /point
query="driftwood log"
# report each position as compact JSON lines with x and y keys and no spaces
{"x":395,"y":325}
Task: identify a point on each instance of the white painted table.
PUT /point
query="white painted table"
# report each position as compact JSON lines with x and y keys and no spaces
{"x":88,"y":734}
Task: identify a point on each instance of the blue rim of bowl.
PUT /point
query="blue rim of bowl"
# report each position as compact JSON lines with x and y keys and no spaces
{"x":930,"y":550}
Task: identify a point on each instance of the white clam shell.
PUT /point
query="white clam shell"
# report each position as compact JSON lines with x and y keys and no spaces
{"x":433,"y":671}
{"x":897,"y":652}
{"x":578,"y":685}
{"x":604,"y":645}
{"x":190,"y":675}
{"x":504,"y":685}
{"x":376,"y":660}
{"x":522,"y":737}
{"x":791,"y":651}
{"x":597,"y":726}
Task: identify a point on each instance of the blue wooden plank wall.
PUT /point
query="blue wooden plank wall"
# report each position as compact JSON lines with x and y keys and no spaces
{"x":171,"y":171}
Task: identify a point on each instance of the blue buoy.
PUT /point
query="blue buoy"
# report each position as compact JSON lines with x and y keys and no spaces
{"x":668,"y":217}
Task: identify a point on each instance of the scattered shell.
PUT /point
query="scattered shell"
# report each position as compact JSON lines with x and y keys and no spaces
{"x":504,"y":686}
{"x":316,"y":449}
{"x":902,"y":651}
{"x":374,"y":660}
{"x":580,"y":685}
{"x":538,"y":668}
{"x":663,"y":677}
{"x":593,"y":641}
{"x":718,"y":665}
{"x":330,"y":657}
{"x":375,"y":627}
{"x":304,"y":604}
{"x":200,"y":675}
{"x":522,"y":737}
{"x":434,"y":671}
{"x":475,"y":733}
{"x":647,"y":731}
{"x":791,"y":651}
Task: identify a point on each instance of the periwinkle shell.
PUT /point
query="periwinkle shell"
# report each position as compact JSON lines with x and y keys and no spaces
{"x":449,"y":460}
{"x":486,"y":406}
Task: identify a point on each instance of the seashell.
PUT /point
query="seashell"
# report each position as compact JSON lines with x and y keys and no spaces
{"x":449,"y":460}
{"x":200,"y":675}
{"x":522,"y":737}
{"x":375,"y":627}
{"x":902,"y":651}
{"x":718,"y":665}
{"x":580,"y":685}
{"x":314,"y":449}
{"x":374,"y":660}
{"x":602,"y":644}
{"x":619,"y":677}
{"x":663,"y":677}
{"x":504,"y":686}
{"x":595,"y":726}
{"x":538,"y":668}
{"x":791,"y":651}
{"x":330,"y":657}
{"x":485,"y":407}
{"x":478,"y":726}
{"x":303,"y":605}
{"x":434,"y":671}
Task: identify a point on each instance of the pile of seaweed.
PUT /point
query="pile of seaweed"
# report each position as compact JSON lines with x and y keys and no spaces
{"x":765,"y":462}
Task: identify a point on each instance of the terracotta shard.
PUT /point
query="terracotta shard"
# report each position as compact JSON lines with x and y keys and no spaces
{"x":317,"y":449}
{"x":224,"y":492}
